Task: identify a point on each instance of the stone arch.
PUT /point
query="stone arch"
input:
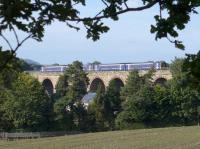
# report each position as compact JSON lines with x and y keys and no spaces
{"x":95,"y":84}
{"x":118,"y":81}
{"x":48,"y":85}
{"x":161,"y":81}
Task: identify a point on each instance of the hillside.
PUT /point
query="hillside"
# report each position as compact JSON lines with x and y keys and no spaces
{"x":31,"y":65}
{"x":176,"y":138}
{"x":31,"y":62}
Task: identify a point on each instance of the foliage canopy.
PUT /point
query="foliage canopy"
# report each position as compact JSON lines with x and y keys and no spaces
{"x":31,"y":17}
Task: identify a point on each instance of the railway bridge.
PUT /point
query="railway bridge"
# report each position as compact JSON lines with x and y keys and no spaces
{"x":49,"y":80}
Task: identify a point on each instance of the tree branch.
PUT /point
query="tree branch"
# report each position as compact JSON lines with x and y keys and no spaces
{"x":104,"y":3}
{"x":13,"y":51}
{"x":19,"y":45}
{"x":6,"y":40}
{"x":126,"y":5}
{"x":149,"y":5}
{"x":15,"y":33}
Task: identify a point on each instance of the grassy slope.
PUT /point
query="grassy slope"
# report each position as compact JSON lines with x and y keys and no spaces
{"x":177,"y":138}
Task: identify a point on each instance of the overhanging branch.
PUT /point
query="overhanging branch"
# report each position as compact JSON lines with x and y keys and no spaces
{"x":13,"y":51}
{"x":149,"y":5}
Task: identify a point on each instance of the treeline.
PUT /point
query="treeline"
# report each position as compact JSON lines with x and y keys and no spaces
{"x":24,"y":105}
{"x":139,"y":104}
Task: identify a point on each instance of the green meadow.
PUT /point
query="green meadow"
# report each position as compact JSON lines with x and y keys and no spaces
{"x":158,"y":138}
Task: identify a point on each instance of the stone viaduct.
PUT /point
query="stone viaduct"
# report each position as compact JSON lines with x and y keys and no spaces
{"x":49,"y":80}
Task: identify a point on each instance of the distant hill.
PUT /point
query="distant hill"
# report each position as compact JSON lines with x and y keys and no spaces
{"x":32,"y":65}
{"x":31,"y":62}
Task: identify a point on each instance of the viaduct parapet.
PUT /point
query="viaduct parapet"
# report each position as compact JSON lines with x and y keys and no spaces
{"x":49,"y":80}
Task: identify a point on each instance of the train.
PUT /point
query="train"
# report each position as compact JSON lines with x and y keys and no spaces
{"x":52,"y":68}
{"x":111,"y":67}
{"x":127,"y":66}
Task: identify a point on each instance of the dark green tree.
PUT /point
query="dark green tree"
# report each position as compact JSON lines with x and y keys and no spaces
{"x":164,"y":105}
{"x":11,"y":69}
{"x":63,"y":115}
{"x":112,"y":103}
{"x":176,"y":68}
{"x":61,"y":86}
{"x":29,"y":108}
{"x":177,"y":102}
{"x":184,"y":97}
{"x":133,"y":84}
{"x":185,"y":102}
{"x":7,"y":76}
{"x":6,"y":124}
{"x":138,"y":109}
{"x":137,"y":96}
{"x":97,"y":112}
{"x":191,"y":68}
{"x":76,"y":81}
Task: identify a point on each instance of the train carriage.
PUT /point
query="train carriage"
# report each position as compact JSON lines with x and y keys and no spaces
{"x":140,"y":66}
{"x":111,"y":67}
{"x":54,"y":68}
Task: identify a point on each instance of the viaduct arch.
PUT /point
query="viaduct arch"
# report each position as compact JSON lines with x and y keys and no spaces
{"x":48,"y":85}
{"x":104,"y":78}
{"x":95,"y":84}
{"x":117,"y":82}
{"x":160,"y":81}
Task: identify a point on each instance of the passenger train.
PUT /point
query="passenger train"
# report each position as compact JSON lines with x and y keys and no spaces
{"x":51,"y":68}
{"x":111,"y":67}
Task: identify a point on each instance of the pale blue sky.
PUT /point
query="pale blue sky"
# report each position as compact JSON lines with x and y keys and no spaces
{"x":129,"y":40}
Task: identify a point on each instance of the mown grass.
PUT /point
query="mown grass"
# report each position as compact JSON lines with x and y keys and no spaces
{"x":160,"y":138}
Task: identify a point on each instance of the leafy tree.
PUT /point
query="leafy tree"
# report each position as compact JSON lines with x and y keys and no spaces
{"x":185,"y":102}
{"x":164,"y":105}
{"x":61,"y":86}
{"x":112,"y":102}
{"x":113,"y":96}
{"x":184,"y":98}
{"x":176,"y":68}
{"x":64,"y":117}
{"x":5,"y":123}
{"x":10,"y":71}
{"x":96,"y":111}
{"x":191,"y":68}
{"x":177,"y":102}
{"x":29,"y":108}
{"x":180,"y":80}
{"x":137,"y":109}
{"x":76,"y":81}
{"x":7,"y":76}
{"x":80,"y":116}
{"x":134,"y":83}
{"x":137,"y":95}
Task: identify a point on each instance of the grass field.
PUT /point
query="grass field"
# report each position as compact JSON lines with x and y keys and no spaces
{"x":160,"y":138}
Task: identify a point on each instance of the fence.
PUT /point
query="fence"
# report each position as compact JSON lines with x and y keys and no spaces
{"x":31,"y":135}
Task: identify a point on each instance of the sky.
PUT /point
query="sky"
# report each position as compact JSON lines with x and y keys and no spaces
{"x":128,"y":40}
